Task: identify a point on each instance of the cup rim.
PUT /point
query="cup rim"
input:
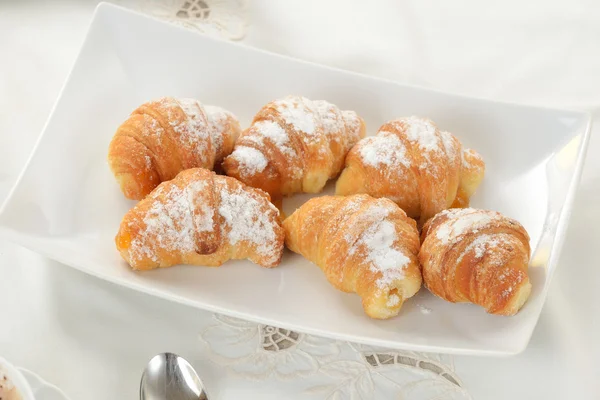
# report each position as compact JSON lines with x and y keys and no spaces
{"x":17,"y":378}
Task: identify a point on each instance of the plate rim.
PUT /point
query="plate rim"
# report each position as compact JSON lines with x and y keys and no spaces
{"x":18,"y":238}
{"x":104,"y":8}
{"x":44,"y":384}
{"x":17,"y":378}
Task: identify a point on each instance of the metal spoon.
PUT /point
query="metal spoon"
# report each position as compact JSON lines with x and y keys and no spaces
{"x":170,"y":377}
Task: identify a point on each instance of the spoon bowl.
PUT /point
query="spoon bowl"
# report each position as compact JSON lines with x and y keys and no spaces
{"x":170,"y":377}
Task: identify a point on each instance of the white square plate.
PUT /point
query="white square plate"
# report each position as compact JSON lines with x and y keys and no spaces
{"x":67,"y":205}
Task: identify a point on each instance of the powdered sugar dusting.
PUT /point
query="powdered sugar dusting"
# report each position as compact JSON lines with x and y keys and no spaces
{"x":350,"y":207}
{"x":425,"y":310}
{"x":246,"y":221}
{"x":508,"y":291}
{"x":378,"y":241}
{"x":217,"y":119}
{"x":352,"y":122}
{"x":462,"y":221}
{"x":250,"y":160}
{"x":480,"y":244}
{"x":194,"y":128}
{"x":202,"y":128}
{"x":353,"y":205}
{"x":275,"y":134}
{"x":205,"y":222}
{"x":449,"y":145}
{"x":384,"y":149}
{"x":423,"y":132}
{"x":296,"y":111}
{"x":468,"y":154}
{"x":191,"y":130}
{"x":330,"y":119}
{"x":170,"y":224}
{"x":393,"y":301}
{"x":153,"y":128}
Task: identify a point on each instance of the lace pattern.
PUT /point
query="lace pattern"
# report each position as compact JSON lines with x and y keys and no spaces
{"x":220,"y":18}
{"x":329,"y":369}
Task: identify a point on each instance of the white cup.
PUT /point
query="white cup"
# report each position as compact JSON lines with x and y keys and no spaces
{"x":17,"y":379}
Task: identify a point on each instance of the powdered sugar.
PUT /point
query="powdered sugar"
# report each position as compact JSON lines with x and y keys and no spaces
{"x":508,"y":291}
{"x":462,"y":221}
{"x":351,"y":206}
{"x":250,"y":160}
{"x":449,"y":145}
{"x":177,"y":215}
{"x":330,"y":119}
{"x":469,"y":154}
{"x":423,"y":132}
{"x":194,"y":128}
{"x":300,"y":130}
{"x":384,"y":149}
{"x":201,"y":128}
{"x":152,"y":127}
{"x":352,"y":121}
{"x":482,"y":242}
{"x":393,"y":300}
{"x":275,"y":134}
{"x":296,"y":111}
{"x":425,"y":310}
{"x":204,"y":220}
{"x":170,"y":224}
{"x":246,"y":221}
{"x":379,"y":240}
{"x":480,"y":245}
{"x":378,"y":243}
{"x":205,"y":223}
{"x":196,"y":118}
{"x":217,"y":118}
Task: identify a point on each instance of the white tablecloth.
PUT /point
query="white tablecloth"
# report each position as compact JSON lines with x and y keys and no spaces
{"x":93,"y":339}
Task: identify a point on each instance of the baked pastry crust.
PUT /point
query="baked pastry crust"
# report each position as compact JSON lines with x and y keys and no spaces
{"x":477,"y":256}
{"x":363,"y":245}
{"x":166,"y":136}
{"x":294,"y":145}
{"x":201,"y":218}
{"x":410,"y":161}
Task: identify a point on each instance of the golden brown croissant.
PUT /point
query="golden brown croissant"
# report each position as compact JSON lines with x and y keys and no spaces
{"x":164,"y":137}
{"x":294,"y":145}
{"x":477,"y":256}
{"x":410,"y":161}
{"x":201,"y":218}
{"x":363,"y":245}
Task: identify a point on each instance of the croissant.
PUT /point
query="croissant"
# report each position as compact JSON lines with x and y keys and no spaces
{"x":476,"y":256}
{"x":363,"y":245}
{"x":164,"y":137}
{"x":294,"y":145}
{"x":410,"y":161}
{"x":201,"y":218}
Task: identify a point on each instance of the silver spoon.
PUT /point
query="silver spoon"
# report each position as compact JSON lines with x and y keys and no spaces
{"x":170,"y":377}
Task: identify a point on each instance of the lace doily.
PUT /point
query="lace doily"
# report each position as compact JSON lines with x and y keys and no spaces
{"x":220,"y":18}
{"x":328,"y":369}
